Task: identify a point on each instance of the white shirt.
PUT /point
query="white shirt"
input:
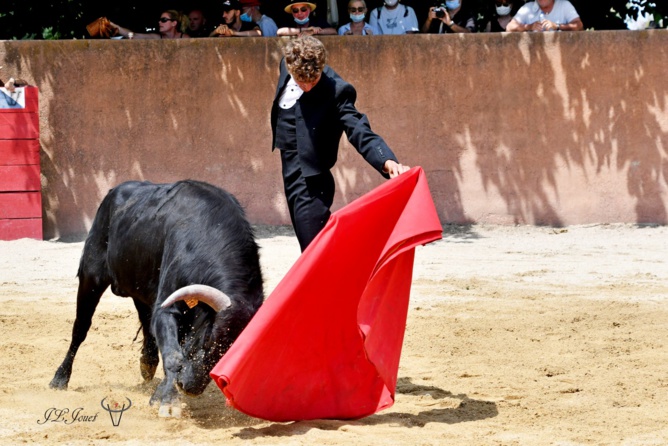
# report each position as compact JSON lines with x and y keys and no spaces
{"x":562,"y":13}
{"x":290,"y":94}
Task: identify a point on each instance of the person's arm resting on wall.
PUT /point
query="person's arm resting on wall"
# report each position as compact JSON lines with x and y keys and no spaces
{"x":515,"y":26}
{"x":573,"y":25}
{"x":310,"y":31}
{"x":546,"y":25}
{"x":255,"y":32}
{"x":131,"y":35}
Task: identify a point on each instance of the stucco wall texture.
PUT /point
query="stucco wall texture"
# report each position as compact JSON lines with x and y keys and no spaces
{"x":536,"y":128}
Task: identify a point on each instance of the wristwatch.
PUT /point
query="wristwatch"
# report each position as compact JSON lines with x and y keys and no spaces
{"x":131,"y":35}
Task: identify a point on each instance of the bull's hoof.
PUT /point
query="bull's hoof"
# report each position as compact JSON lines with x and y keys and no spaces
{"x":59,"y":383}
{"x":154,"y":399}
{"x":169,"y":411}
{"x":147,"y":370}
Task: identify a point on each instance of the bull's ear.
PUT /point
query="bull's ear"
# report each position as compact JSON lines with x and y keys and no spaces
{"x":213,"y":297}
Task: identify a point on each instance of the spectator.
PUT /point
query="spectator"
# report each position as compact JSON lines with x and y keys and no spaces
{"x":450,"y":17}
{"x":500,"y":16}
{"x":357,"y":26}
{"x":233,"y":26}
{"x":546,"y":15}
{"x":250,"y":13}
{"x":304,"y":21}
{"x":171,"y":25}
{"x":394,"y":18}
{"x":198,"y":26}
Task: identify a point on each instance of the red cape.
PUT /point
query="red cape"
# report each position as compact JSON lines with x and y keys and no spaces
{"x":326,"y":343}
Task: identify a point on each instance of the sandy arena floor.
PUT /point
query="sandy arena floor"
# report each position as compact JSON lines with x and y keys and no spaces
{"x":516,"y":336}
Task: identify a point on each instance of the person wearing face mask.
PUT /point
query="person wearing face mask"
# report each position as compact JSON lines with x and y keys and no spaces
{"x":233,"y":26}
{"x":449,"y":17}
{"x":304,"y":21}
{"x":502,"y":12}
{"x":498,"y":15}
{"x":546,"y":15}
{"x":394,"y":18}
{"x":250,"y":13}
{"x":357,"y":26}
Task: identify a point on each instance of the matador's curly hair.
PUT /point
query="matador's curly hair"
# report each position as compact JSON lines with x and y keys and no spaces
{"x":305,"y":57}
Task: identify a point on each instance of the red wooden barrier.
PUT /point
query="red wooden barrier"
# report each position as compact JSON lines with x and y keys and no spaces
{"x":19,"y":178}
{"x":20,"y":196}
{"x":16,"y":228}
{"x":19,"y":152}
{"x":20,"y":205}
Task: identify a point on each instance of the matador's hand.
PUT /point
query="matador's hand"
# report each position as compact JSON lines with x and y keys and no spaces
{"x":394,"y":169}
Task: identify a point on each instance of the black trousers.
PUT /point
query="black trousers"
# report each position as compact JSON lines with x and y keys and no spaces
{"x":309,"y":198}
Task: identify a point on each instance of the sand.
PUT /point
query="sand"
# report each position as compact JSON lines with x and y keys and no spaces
{"x":515,"y":336}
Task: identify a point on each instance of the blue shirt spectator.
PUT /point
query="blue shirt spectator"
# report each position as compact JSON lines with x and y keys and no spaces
{"x":394,"y":18}
{"x":357,"y":26}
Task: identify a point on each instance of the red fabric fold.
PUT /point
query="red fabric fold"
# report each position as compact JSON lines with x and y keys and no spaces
{"x":327,"y":341}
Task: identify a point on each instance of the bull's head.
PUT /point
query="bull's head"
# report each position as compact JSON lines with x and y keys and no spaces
{"x":202,"y":349}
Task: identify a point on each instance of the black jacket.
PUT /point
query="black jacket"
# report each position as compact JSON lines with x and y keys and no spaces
{"x":322,"y":115}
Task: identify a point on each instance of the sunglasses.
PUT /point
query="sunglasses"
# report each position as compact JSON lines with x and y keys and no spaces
{"x":302,"y":9}
{"x":165,"y":19}
{"x":359,"y":9}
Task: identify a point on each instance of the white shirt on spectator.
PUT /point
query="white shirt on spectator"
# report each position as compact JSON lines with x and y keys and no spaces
{"x":394,"y":21}
{"x":562,"y":13}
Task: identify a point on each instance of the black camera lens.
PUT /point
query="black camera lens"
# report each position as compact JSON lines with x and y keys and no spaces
{"x":440,"y":13}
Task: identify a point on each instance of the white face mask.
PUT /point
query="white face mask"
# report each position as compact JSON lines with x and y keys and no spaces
{"x":391,"y":3}
{"x":357,"y":17}
{"x":503,"y":10}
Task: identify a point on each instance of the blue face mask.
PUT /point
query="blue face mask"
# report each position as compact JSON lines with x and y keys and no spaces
{"x":301,"y":21}
{"x":453,"y":4}
{"x":357,"y":17}
{"x":245,"y":17}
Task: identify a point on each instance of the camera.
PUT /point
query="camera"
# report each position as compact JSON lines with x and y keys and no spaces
{"x":440,"y":12}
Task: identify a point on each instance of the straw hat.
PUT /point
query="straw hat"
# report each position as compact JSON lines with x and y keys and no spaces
{"x":288,"y":8}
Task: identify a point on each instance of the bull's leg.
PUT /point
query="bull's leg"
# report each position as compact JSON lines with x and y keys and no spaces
{"x":148,"y":362}
{"x":88,"y":296}
{"x":166,"y":331}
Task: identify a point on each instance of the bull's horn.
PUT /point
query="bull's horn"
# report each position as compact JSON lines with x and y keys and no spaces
{"x":213,"y":297}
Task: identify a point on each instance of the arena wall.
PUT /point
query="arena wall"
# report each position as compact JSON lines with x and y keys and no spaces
{"x":542,"y":128}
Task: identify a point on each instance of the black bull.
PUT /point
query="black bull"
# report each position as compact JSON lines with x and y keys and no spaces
{"x":165,"y":245}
